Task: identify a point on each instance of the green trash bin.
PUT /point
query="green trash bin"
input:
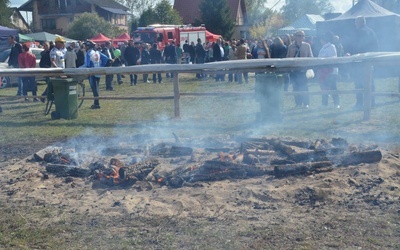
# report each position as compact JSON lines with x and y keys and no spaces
{"x":269,"y":93}
{"x":65,"y":98}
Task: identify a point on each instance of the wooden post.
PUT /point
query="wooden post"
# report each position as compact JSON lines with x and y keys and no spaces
{"x":367,"y":90}
{"x":176,"y":95}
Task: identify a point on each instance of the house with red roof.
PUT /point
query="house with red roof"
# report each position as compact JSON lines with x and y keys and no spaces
{"x":189,"y":11}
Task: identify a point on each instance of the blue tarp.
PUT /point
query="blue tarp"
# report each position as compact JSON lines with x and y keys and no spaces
{"x":4,"y":34}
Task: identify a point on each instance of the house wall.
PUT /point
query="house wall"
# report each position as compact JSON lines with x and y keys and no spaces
{"x":51,"y":17}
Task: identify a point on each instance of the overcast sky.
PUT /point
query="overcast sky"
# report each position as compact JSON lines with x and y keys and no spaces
{"x":340,"y":5}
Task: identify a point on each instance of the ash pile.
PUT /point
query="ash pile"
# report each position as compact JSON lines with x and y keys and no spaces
{"x":185,"y":163}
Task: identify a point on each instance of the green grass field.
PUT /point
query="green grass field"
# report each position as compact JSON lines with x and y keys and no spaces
{"x":40,"y":226}
{"x":200,"y":115}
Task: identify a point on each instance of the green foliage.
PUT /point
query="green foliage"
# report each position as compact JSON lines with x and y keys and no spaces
{"x":217,"y":17}
{"x":296,"y":9}
{"x":256,"y":11}
{"x":162,"y":13}
{"x":88,"y":25}
{"x":137,"y":7}
{"x":5,"y":13}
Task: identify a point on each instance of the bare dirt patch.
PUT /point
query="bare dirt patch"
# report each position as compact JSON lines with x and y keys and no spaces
{"x":353,"y":207}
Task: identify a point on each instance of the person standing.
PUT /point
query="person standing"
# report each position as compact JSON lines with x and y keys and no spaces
{"x":109,"y":52}
{"x":218,"y":55}
{"x":28,"y":60}
{"x":186,"y":52}
{"x":241,"y":54}
{"x":200,"y":56}
{"x":16,"y":49}
{"x":94,"y":59}
{"x":57,"y":54}
{"x":132,"y":55}
{"x":155,"y":58}
{"x":122,"y":47}
{"x":80,"y":56}
{"x":327,"y":76}
{"x":299,"y":48}
{"x":70,"y":58}
{"x":145,"y":59}
{"x":170,"y":56}
{"x":179,"y":54}
{"x":45,"y":62}
{"x":365,"y":41}
{"x":57,"y":60}
{"x":192,"y":52}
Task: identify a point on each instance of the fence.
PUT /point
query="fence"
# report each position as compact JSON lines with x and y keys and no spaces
{"x":367,"y":60}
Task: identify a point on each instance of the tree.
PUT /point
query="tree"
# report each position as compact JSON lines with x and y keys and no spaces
{"x":162,"y":13}
{"x":296,"y":9}
{"x":137,"y":7}
{"x":90,"y":24}
{"x":5,"y":13}
{"x":267,"y":27}
{"x":256,"y":11}
{"x":217,"y":17}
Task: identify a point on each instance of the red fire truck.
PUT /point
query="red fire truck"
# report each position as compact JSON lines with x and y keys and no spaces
{"x":162,"y":34}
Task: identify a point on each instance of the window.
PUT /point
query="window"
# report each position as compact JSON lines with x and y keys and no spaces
{"x":48,"y":24}
{"x":170,"y":36}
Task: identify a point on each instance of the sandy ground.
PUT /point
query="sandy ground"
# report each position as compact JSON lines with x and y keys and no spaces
{"x":328,"y":202}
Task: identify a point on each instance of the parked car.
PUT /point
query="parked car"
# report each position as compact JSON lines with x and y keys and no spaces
{"x":7,"y":81}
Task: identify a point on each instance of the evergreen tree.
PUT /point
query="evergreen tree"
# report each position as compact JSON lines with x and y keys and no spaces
{"x":217,"y":17}
{"x":5,"y":13}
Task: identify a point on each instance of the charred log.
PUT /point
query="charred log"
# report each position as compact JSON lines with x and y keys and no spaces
{"x":142,"y":169}
{"x":39,"y":156}
{"x":253,"y":145}
{"x":250,"y":159}
{"x":308,"y":156}
{"x":62,"y":170}
{"x":300,"y":168}
{"x":356,"y":158}
{"x":281,"y":162}
{"x":282,"y":147}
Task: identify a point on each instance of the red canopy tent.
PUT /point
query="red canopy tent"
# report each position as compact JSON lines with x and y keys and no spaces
{"x":100,"y":38}
{"x":211,"y":37}
{"x":121,"y":39}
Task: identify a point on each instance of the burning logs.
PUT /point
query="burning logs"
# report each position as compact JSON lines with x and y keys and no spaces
{"x":185,"y":165}
{"x":116,"y":173}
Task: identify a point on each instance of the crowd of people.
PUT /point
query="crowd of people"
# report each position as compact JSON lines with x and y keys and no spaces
{"x":89,"y":54}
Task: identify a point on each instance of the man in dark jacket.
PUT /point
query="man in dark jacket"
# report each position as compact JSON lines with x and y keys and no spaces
{"x":145,"y":59}
{"x":218,"y":54}
{"x":200,"y":55}
{"x":16,"y":49}
{"x":132,"y":55}
{"x":45,"y":62}
{"x":155,"y":58}
{"x":170,"y":55}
